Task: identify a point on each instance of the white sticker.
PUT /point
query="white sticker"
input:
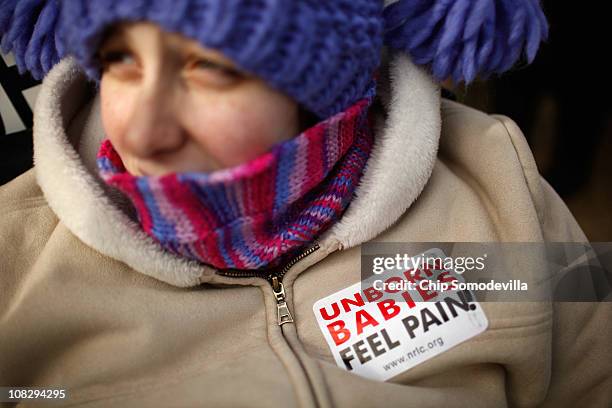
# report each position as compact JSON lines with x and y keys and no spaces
{"x":396,"y":320}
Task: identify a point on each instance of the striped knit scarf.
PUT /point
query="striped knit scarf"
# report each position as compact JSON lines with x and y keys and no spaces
{"x":259,"y":213}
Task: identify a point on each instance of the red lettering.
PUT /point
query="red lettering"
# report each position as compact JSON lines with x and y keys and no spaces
{"x":335,"y":312}
{"x":446,"y":277}
{"x":428,"y":272}
{"x":388,"y":308}
{"x":415,"y":279}
{"x":339,"y":332}
{"x":408,"y":299}
{"x":413,"y":275}
{"x":372,"y":294}
{"x":426,"y":295}
{"x":364,"y":319}
{"x":357,"y":302}
{"x":408,"y":272}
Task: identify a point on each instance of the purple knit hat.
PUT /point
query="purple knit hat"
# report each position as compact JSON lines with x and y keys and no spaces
{"x":322,"y":53}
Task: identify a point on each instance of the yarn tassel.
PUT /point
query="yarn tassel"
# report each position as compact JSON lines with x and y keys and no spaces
{"x":28,"y":29}
{"x":461,"y":39}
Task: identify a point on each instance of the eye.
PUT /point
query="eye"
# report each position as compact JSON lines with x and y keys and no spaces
{"x":120,"y":64}
{"x":116,"y":57}
{"x":207,"y":64}
{"x":212,"y":73}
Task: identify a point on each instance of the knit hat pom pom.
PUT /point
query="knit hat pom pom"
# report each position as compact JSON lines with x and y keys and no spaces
{"x":27,"y":28}
{"x":461,"y":39}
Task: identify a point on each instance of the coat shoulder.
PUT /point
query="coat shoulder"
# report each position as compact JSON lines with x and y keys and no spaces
{"x":489,"y":148}
{"x":463,"y":125}
{"x":492,"y":154}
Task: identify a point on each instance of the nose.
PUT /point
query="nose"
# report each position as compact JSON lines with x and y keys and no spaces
{"x":154,"y":126}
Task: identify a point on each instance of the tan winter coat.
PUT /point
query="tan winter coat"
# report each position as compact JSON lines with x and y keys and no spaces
{"x":89,"y":304}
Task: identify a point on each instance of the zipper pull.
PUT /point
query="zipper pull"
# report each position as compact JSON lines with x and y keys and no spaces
{"x":283,"y":313}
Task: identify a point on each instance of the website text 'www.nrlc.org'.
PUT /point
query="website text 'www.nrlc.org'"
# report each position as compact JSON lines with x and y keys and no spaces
{"x":415,"y":352}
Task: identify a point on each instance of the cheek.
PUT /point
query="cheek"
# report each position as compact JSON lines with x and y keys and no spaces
{"x":116,"y":103}
{"x":240,"y":129}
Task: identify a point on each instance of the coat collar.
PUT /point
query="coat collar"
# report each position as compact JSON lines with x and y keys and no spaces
{"x":68,"y":131}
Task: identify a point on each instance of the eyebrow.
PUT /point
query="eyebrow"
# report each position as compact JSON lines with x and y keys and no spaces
{"x":119,"y":34}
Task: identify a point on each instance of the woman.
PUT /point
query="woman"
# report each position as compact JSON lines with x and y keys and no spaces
{"x":184,"y":217}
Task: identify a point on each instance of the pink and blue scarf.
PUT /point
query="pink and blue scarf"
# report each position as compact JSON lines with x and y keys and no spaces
{"x":259,"y":213}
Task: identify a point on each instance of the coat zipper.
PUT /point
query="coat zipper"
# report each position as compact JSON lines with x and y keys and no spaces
{"x":282,"y":310}
{"x":275,"y":278}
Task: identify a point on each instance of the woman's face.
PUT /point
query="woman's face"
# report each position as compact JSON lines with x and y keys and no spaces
{"x":169,"y":105}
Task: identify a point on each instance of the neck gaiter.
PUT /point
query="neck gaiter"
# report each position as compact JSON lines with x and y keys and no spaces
{"x":259,"y":213}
